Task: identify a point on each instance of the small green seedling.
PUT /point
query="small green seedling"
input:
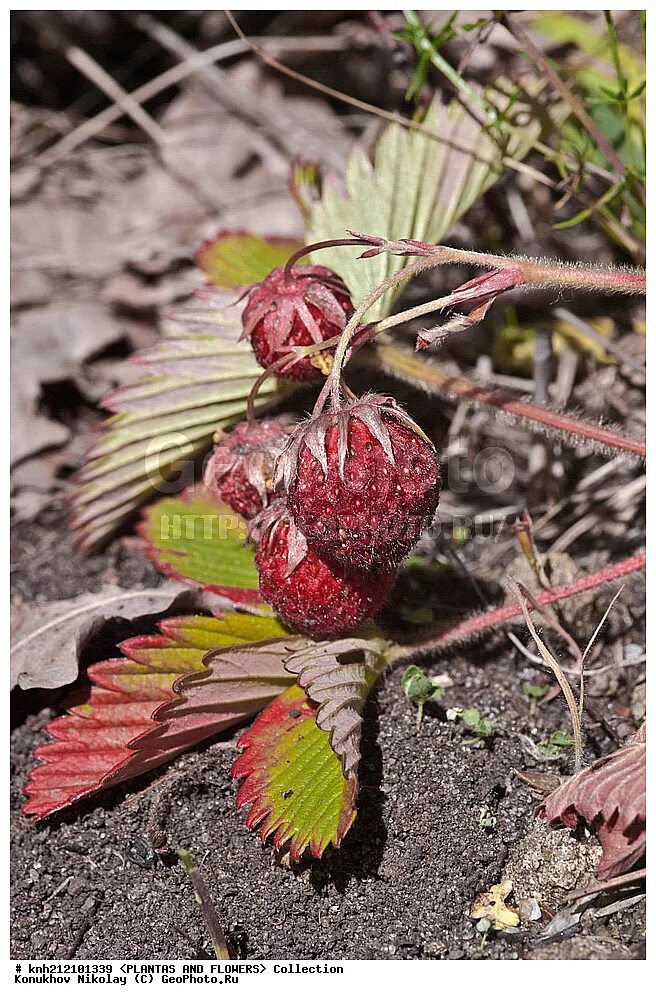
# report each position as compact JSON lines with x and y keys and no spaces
{"x":552,"y":748}
{"x":420,"y":689}
{"x":533,"y":692}
{"x":482,"y":729}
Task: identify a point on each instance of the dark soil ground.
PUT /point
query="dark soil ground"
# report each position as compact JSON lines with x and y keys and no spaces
{"x":403,"y":883}
{"x":401,"y":886}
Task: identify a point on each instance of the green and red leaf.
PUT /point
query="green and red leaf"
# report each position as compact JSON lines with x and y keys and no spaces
{"x":338,"y":677}
{"x":121,"y":730}
{"x":195,"y":538}
{"x":293,"y":779}
{"x":197,"y":379}
{"x":237,"y":258}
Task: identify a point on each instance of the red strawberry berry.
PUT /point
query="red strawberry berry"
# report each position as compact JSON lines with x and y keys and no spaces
{"x":241,"y":468}
{"x":309,"y":306}
{"x":309,"y":594}
{"x":361,"y":483}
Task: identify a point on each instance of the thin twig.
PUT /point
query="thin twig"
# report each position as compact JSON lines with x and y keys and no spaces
{"x":90,"y":69}
{"x":552,"y":662}
{"x":589,"y":647}
{"x":204,"y":900}
{"x":611,"y":883}
{"x":552,"y":620}
{"x":107,"y":84}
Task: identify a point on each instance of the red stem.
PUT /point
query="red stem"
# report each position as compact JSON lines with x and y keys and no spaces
{"x":400,"y":362}
{"x":470,"y":628}
{"x":323,"y":245}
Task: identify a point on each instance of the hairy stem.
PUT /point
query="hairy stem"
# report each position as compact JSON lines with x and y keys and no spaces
{"x":431,"y":378}
{"x":356,"y":319}
{"x":536,"y":272}
{"x":323,"y":245}
{"x":472,"y":628}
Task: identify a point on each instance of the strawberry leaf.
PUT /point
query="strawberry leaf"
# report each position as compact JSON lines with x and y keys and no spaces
{"x":195,"y":538}
{"x":338,"y":677}
{"x":294,"y":783}
{"x":610,"y":796}
{"x":121,"y":730}
{"x":197,"y":379}
{"x":234,"y":259}
{"x":417,"y":187}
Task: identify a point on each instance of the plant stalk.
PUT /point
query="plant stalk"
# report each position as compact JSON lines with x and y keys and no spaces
{"x":471,"y":628}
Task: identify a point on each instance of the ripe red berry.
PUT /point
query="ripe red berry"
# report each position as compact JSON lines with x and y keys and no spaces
{"x":309,"y":306}
{"x":241,"y":467}
{"x":309,"y":594}
{"x":361,"y":483}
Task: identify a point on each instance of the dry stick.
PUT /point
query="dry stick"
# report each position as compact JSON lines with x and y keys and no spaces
{"x":204,"y":900}
{"x":169,"y":78}
{"x":611,"y":883}
{"x":428,"y":376}
{"x":108,"y":85}
{"x":565,"y":93}
{"x":90,"y":69}
{"x":552,"y":620}
{"x":472,"y":627}
{"x":551,"y":661}
{"x":589,"y":647}
{"x":285,"y":129}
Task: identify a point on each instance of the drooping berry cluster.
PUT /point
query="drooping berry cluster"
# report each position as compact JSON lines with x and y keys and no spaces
{"x":338,"y":501}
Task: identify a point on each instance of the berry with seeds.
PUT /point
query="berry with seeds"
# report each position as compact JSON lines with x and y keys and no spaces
{"x":308,"y":305}
{"x":309,"y":594}
{"x":361,"y":482}
{"x":240,"y":469}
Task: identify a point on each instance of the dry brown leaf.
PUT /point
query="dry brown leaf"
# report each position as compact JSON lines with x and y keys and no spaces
{"x":610,"y":796}
{"x":49,"y":637}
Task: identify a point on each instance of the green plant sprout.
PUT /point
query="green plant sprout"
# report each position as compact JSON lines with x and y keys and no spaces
{"x":420,"y":689}
{"x":551,"y":749}
{"x":483,"y":729}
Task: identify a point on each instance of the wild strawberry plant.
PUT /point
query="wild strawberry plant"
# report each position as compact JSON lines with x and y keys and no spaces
{"x":301,"y":525}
